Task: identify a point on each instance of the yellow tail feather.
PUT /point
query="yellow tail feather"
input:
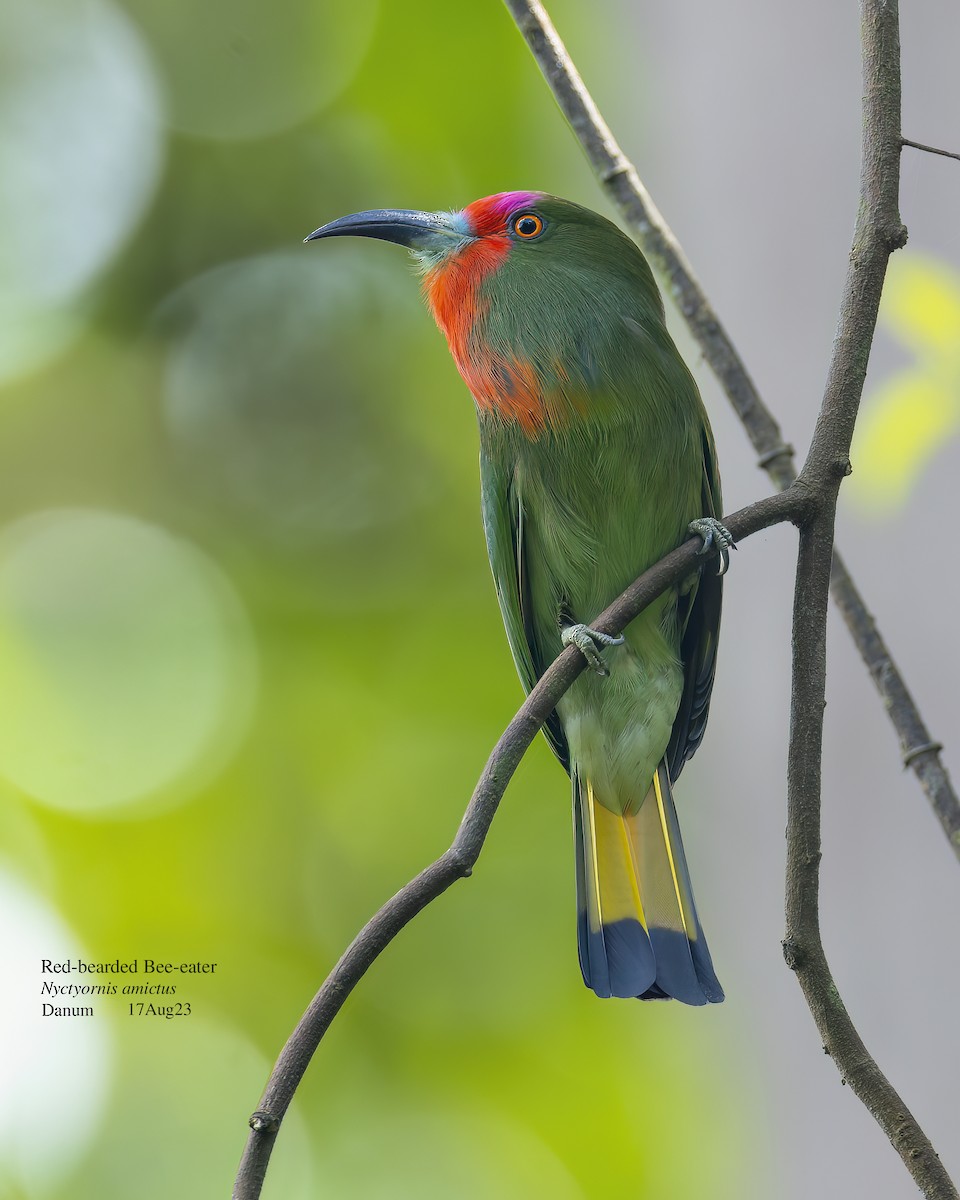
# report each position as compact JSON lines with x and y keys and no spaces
{"x":639,"y":932}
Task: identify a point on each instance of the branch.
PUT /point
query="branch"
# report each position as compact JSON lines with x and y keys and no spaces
{"x":929,"y":149}
{"x":619,"y":179}
{"x":879,"y":231}
{"x":803,"y":946}
{"x":920,"y":752}
{"x":457,"y":862}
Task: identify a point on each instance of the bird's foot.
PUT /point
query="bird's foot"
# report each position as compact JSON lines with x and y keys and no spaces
{"x":717,"y":539}
{"x":590,"y":642}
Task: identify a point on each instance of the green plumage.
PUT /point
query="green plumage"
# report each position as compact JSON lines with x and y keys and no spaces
{"x":574,"y":512}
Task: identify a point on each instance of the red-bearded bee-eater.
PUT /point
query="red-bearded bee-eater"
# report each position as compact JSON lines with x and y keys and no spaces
{"x":596,"y":459}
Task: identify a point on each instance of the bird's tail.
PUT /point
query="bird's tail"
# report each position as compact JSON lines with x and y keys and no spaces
{"x":637,"y":924}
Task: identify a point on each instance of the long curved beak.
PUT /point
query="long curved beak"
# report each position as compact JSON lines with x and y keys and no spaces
{"x":417,"y":230}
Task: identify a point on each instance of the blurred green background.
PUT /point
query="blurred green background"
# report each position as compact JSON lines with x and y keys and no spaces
{"x":250,"y":655}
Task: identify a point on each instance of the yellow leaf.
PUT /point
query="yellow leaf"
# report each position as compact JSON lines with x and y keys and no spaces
{"x":921,"y":305}
{"x":906,"y":422}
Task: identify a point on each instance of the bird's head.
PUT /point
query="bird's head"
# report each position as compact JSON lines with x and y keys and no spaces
{"x":457,"y":250}
{"x":519,"y":282}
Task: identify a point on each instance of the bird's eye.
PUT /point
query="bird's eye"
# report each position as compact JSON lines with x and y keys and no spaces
{"x":527,"y":225}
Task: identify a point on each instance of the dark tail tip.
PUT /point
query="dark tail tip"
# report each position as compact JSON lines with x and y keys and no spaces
{"x":684,"y":969}
{"x":616,"y":960}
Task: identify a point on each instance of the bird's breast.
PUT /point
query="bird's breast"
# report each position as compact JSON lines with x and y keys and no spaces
{"x":603,"y":501}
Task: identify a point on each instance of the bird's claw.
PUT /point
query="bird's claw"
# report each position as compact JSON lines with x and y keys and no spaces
{"x":717,"y":539}
{"x":589,"y":642}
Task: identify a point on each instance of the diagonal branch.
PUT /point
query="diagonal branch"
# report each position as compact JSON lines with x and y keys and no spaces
{"x":790,"y":505}
{"x":929,"y":149}
{"x":619,"y":179}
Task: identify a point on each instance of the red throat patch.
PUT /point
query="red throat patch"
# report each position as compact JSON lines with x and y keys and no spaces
{"x":498,"y":382}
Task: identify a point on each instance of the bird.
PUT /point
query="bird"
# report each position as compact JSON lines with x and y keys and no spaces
{"x":596,"y":459}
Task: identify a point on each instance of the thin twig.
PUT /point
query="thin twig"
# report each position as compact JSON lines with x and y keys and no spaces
{"x":620,"y":181}
{"x":929,"y":149}
{"x":458,"y":861}
{"x":879,"y":231}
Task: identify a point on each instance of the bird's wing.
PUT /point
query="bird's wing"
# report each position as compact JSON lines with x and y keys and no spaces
{"x":699,"y":615}
{"x":503,"y":521}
